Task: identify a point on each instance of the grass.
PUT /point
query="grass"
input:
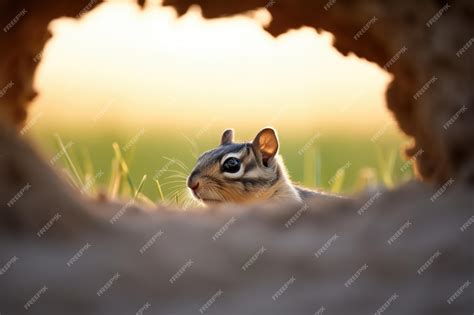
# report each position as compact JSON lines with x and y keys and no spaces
{"x":154,"y":169}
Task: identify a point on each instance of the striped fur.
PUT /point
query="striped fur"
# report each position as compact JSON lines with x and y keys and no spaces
{"x":264,"y":175}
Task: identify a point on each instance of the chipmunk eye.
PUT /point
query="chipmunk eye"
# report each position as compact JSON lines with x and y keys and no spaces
{"x":231,"y":165}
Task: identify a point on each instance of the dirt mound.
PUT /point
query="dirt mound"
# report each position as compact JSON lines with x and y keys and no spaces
{"x":408,"y":250}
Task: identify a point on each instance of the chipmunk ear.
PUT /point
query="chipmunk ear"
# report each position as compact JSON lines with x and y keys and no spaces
{"x":227,"y":136}
{"x":266,"y":143}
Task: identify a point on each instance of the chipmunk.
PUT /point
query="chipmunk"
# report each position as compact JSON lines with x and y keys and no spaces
{"x":245,"y":172}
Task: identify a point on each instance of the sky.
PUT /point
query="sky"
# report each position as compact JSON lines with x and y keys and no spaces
{"x":124,"y":66}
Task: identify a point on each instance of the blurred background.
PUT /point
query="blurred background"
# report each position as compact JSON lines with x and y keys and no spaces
{"x":126,"y":93}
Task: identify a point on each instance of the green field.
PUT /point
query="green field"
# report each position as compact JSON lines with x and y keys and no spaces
{"x":333,"y":161}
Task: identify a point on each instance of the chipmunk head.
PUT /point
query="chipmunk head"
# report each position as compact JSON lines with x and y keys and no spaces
{"x":241,"y":172}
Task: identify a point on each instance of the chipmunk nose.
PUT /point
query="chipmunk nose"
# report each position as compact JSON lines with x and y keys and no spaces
{"x":193,"y":181}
